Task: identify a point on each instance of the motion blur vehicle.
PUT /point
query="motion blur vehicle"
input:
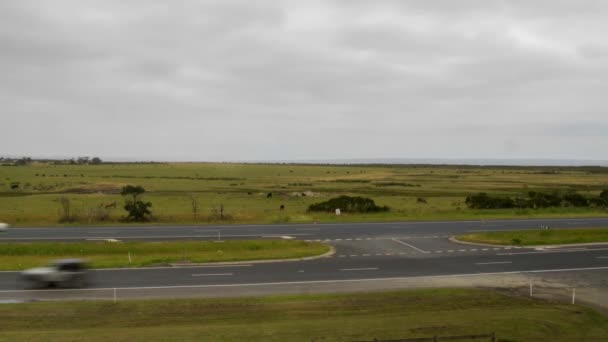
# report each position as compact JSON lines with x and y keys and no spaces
{"x":3,"y":227}
{"x":67,"y":273}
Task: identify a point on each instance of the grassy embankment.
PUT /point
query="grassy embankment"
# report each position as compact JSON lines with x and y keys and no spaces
{"x":412,"y":192}
{"x":538,"y":237}
{"x":18,"y":256}
{"x":344,"y":317}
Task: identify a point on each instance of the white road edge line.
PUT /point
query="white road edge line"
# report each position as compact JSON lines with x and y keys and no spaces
{"x":360,"y":269}
{"x":407,"y":244}
{"x":309,"y":281}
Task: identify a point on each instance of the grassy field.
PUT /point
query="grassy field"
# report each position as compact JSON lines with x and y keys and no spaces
{"x":388,"y":315}
{"x":538,"y":237}
{"x":18,"y":256}
{"x":412,"y":192}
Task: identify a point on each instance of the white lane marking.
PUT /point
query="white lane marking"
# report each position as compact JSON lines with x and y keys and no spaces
{"x":366,"y":255}
{"x":306,"y":229}
{"x":341,"y":256}
{"x":495,"y":230}
{"x":301,"y":271}
{"x":205,"y":231}
{"x":222,"y":266}
{"x":359,"y":269}
{"x":438,"y":251}
{"x":139,"y":288}
{"x":462,"y":250}
{"x":379,"y":254}
{"x":484,"y":249}
{"x":104,"y":232}
{"x":494,"y":263}
{"x":473,"y":250}
{"x":450,"y":251}
{"x":407,"y":244}
{"x":353,"y":255}
{"x":212,"y":274}
{"x":155,"y":268}
{"x":602,"y":257}
{"x":101,"y":239}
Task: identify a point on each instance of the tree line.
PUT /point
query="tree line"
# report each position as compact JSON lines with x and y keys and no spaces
{"x":536,"y":200}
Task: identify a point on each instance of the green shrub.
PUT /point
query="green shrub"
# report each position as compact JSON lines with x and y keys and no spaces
{"x":348,"y":204}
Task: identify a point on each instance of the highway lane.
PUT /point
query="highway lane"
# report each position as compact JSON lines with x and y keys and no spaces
{"x":363,"y":251}
{"x":300,"y":231}
{"x":339,"y":269}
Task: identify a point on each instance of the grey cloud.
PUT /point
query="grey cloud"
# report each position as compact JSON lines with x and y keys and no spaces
{"x":229,"y":80}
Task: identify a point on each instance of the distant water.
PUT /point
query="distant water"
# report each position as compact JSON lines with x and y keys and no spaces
{"x":439,"y":161}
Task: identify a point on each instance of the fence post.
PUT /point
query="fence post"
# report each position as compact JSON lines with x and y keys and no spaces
{"x":573,"y":295}
{"x":493,"y":338}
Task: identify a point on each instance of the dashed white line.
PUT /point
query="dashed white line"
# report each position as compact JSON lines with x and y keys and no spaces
{"x":211,"y":274}
{"x":493,"y":263}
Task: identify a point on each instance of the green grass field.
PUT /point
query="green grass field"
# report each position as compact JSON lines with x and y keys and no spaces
{"x":243,"y":188}
{"x":344,"y":317}
{"x":538,"y":237}
{"x":18,"y":256}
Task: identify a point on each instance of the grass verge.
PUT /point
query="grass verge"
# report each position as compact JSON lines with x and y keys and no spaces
{"x":538,"y":237}
{"x":343,"y":317}
{"x":18,"y":256}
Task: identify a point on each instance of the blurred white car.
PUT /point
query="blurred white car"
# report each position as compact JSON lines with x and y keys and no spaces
{"x":60,"y":273}
{"x":3,"y":227}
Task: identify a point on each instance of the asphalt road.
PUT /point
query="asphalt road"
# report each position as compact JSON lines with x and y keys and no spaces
{"x":364,"y":251}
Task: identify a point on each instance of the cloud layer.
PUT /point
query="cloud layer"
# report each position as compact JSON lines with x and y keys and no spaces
{"x":287,"y":80}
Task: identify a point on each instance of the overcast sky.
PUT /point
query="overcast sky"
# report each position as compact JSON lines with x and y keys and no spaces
{"x":288,"y":80}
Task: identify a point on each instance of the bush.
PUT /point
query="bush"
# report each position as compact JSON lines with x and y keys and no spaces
{"x":348,"y":204}
{"x":535,"y":200}
{"x":576,"y":200}
{"x":484,"y":201}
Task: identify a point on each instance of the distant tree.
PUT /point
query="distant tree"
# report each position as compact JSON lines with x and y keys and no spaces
{"x":576,"y":200}
{"x":96,"y":161}
{"x":23,"y":161}
{"x":138,"y":210}
{"x":82,"y":160}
